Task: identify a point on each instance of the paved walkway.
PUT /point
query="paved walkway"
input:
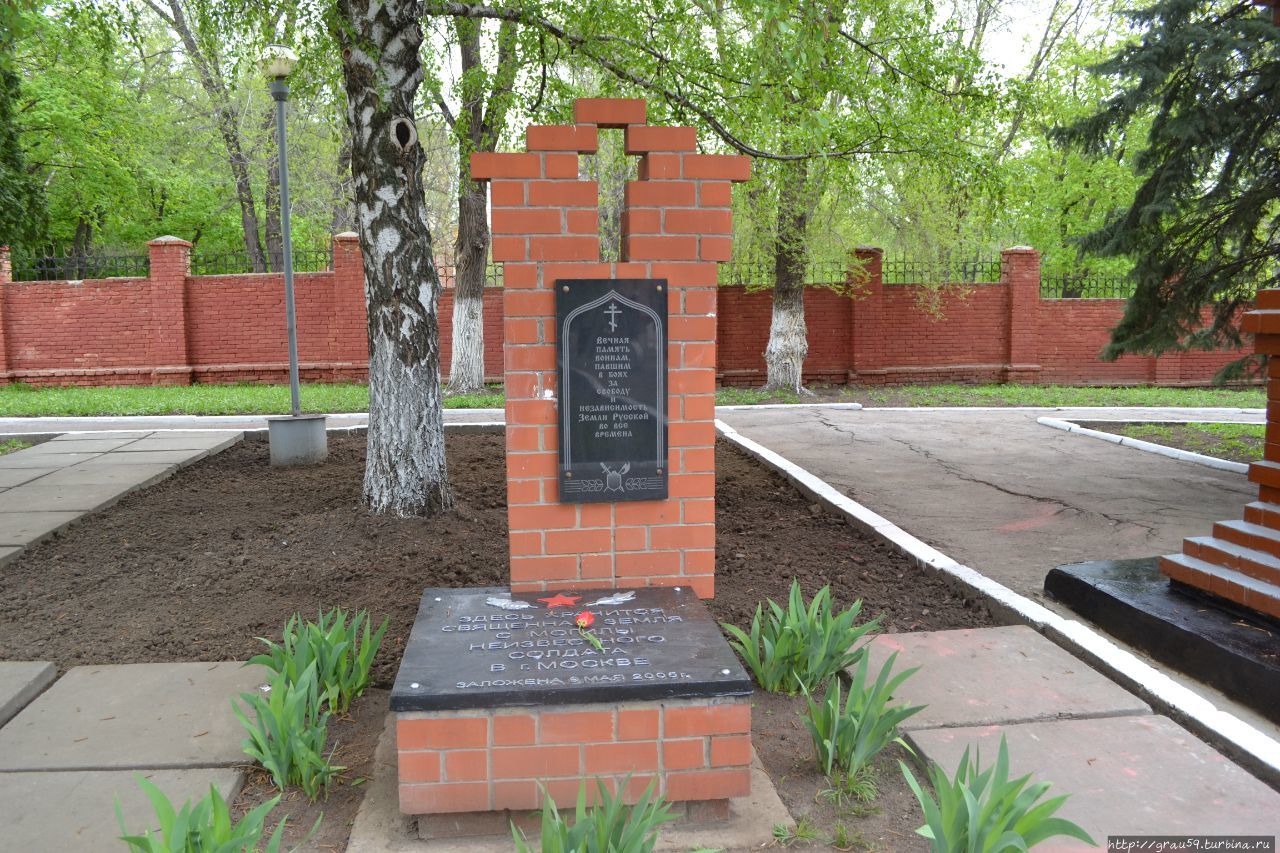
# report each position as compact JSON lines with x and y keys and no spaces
{"x":44,"y":426}
{"x":1127,"y":771}
{"x":75,"y":750}
{"x":45,"y":488}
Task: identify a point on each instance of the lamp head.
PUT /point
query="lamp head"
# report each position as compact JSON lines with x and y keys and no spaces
{"x":278,"y":61}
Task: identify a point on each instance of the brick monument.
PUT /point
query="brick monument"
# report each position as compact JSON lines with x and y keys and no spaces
{"x":610,"y":448}
{"x":1240,"y":561}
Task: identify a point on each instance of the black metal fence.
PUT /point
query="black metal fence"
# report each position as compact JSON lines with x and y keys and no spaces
{"x":79,"y":267}
{"x":899,"y":271}
{"x":237,"y":263}
{"x":895,"y":271}
{"x":449,"y":276}
{"x":762,"y":273}
{"x":1085,"y":286}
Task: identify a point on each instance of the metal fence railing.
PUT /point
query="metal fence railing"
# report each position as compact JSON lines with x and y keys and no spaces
{"x":898,"y":271}
{"x":79,"y":267}
{"x":449,"y":276}
{"x":762,"y":273}
{"x":1084,"y":286}
{"x":237,"y":263}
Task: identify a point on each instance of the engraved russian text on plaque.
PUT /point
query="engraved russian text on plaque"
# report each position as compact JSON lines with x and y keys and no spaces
{"x":612,"y":360}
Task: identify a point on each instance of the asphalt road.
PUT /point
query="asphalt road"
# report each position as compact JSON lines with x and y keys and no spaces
{"x":1000,"y":493}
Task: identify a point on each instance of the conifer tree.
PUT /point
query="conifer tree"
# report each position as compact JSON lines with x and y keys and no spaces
{"x":1202,"y":227}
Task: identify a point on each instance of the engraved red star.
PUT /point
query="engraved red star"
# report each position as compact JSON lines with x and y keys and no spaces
{"x":560,"y":600}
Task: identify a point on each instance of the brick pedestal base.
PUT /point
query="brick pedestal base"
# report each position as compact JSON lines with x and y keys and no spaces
{"x":492,"y":760}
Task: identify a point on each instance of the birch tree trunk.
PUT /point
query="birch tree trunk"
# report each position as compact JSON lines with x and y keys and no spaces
{"x":225,"y":115}
{"x":405,"y":471}
{"x":466,"y":369}
{"x":271,"y":202}
{"x":788,"y":338}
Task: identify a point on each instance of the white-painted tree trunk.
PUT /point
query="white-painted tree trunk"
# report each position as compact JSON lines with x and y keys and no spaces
{"x":788,"y":343}
{"x":471,"y":250}
{"x":788,"y":338}
{"x":405,"y":471}
{"x":466,"y":368}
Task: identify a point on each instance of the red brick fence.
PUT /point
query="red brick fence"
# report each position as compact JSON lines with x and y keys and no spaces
{"x":175,"y":328}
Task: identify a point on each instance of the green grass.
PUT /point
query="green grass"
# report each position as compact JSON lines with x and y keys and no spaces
{"x":1060,"y":395}
{"x":12,"y":445}
{"x":753,"y":397}
{"x":1237,"y":442}
{"x":19,"y":400}
{"x":24,"y":401}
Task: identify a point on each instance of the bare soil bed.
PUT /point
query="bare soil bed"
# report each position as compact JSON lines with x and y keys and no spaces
{"x":197,"y":566}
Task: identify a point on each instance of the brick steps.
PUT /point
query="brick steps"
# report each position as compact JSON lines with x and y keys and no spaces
{"x":1262,"y":512}
{"x":1233,"y":555}
{"x":1223,"y":582}
{"x":1265,"y":473}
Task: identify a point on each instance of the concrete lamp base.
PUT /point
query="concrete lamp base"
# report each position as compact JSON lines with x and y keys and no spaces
{"x":297,"y":440}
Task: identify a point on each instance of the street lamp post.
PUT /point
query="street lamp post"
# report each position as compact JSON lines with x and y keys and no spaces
{"x":297,"y":439}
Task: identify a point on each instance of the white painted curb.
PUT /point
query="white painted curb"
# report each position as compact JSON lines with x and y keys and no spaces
{"x":1246,"y":744}
{"x":1149,"y":447}
{"x":749,"y":406}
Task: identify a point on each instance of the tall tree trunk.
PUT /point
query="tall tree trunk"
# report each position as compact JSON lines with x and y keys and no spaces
{"x":405,"y":471}
{"x":788,"y":339}
{"x":481,"y":114}
{"x":341,"y":218}
{"x":471,"y":252}
{"x":228,"y":127}
{"x":271,"y":199}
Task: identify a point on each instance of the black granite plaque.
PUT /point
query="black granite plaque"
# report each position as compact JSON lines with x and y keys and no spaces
{"x":612,"y":359}
{"x":485,"y":648}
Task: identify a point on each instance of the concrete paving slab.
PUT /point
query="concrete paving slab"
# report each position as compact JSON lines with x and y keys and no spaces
{"x":92,"y":434}
{"x":132,"y":716}
{"x":997,"y":675}
{"x":20,"y":682}
{"x":74,"y":812}
{"x":43,"y":496}
{"x":9,"y":553}
{"x":181,"y":458}
{"x":27,"y":459}
{"x":192,"y":440}
{"x":93,"y":474}
{"x":1126,"y":776}
{"x":24,"y":528}
{"x":10,"y":477}
{"x":83,"y":445}
{"x":380,"y":828}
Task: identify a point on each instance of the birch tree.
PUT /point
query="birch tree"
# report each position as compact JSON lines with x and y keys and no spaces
{"x":405,"y":469}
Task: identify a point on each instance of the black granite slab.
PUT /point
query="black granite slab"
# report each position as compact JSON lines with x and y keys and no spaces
{"x":612,"y":415}
{"x":1133,"y":602}
{"x":486,"y":648}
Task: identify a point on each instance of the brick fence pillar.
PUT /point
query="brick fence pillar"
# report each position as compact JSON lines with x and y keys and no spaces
{"x":866,"y":278}
{"x":350,"y":326}
{"x":1020,"y":273}
{"x":676,"y":226}
{"x":6,"y":279}
{"x":170,"y":266}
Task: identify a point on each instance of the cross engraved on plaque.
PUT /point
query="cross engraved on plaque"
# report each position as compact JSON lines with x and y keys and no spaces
{"x":612,"y":414}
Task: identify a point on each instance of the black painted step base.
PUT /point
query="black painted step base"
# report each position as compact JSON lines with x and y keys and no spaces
{"x":1133,"y":602}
